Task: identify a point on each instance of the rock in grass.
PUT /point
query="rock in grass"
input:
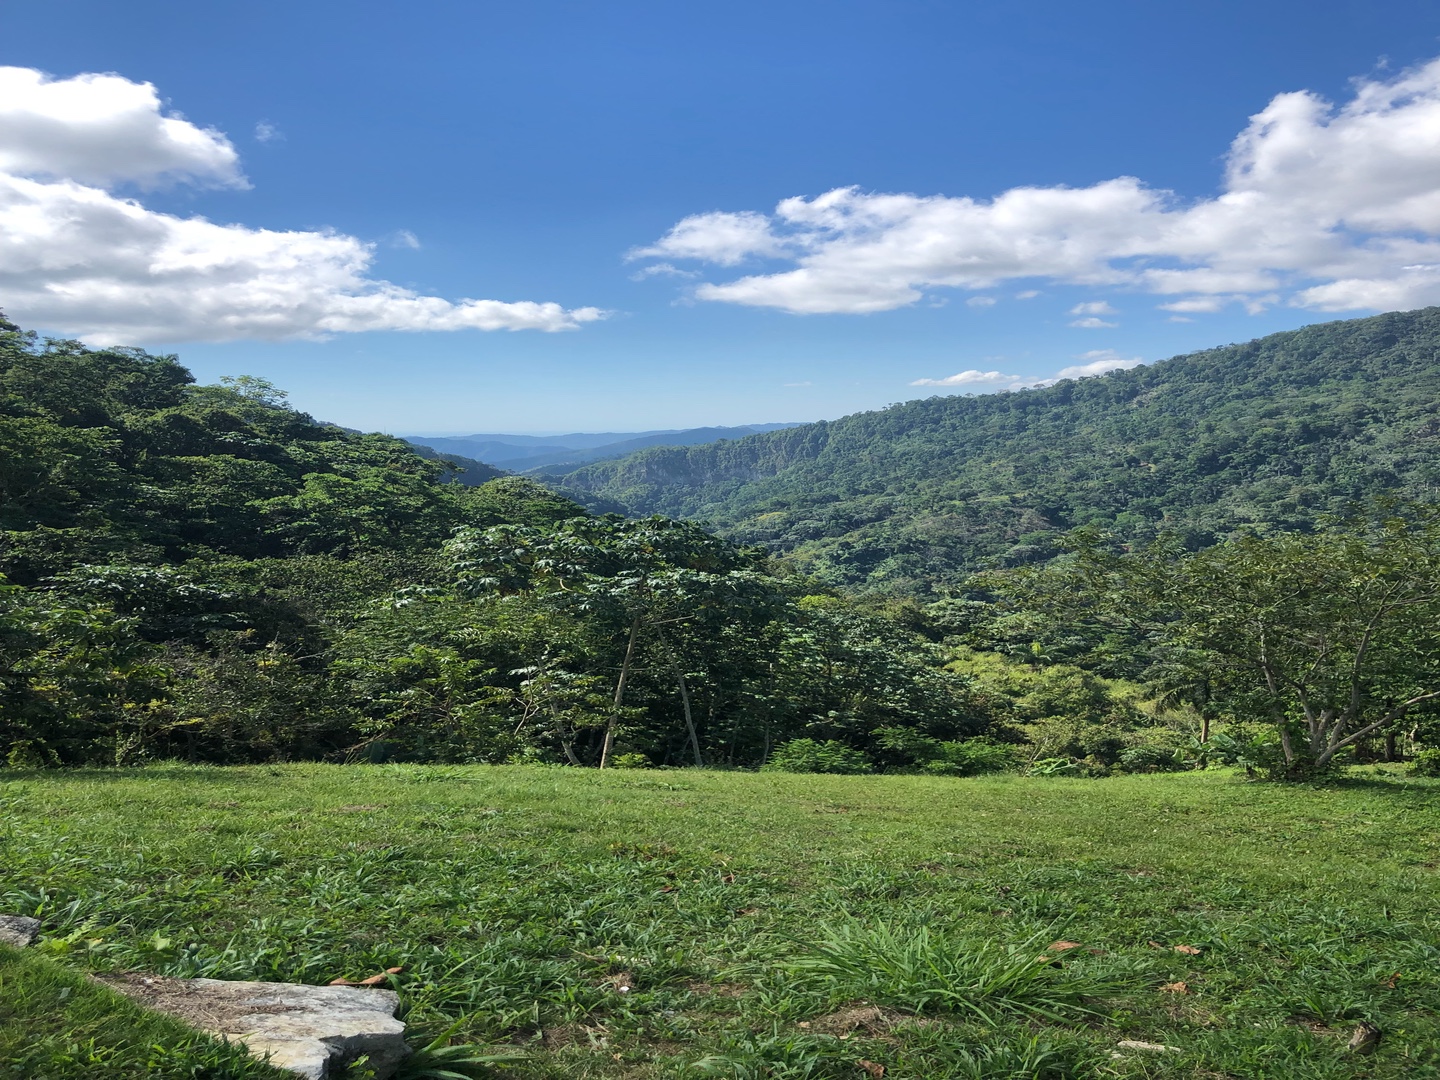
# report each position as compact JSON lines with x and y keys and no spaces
{"x":1365,"y":1039}
{"x":1148,"y":1047}
{"x":19,"y":931}
{"x":309,"y":1030}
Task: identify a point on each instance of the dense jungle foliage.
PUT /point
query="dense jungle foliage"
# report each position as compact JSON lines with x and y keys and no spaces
{"x":202,"y":572}
{"x":1269,"y":434}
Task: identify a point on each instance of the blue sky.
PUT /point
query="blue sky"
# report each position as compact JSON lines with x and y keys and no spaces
{"x":623,"y":164}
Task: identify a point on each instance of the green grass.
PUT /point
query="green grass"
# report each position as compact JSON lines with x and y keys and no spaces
{"x":686,"y":923}
{"x":55,"y":1022}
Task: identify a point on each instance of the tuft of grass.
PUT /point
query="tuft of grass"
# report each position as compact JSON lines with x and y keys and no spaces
{"x":920,"y":971}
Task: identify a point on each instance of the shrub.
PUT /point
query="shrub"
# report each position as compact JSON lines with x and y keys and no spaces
{"x":630,"y":761}
{"x":809,"y":756}
{"x":1056,"y":766}
{"x":1147,"y":758}
{"x":971,"y":757}
{"x":1426,"y":762}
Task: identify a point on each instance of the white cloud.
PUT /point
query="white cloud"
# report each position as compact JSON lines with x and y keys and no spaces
{"x":980,"y":302}
{"x":104,"y":129}
{"x":1098,"y":362}
{"x":1322,"y":206}
{"x":265,"y":131}
{"x":663,"y":269}
{"x":78,"y":258}
{"x":716,"y":237}
{"x":1093,"y":307}
{"x":1027,"y":294}
{"x":404,"y":238}
{"x":968,"y":378}
{"x":1092,"y":323}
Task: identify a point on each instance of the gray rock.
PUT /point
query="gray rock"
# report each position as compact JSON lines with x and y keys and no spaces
{"x":19,"y":931}
{"x":308,"y":1030}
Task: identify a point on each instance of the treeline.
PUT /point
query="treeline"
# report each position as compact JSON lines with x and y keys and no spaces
{"x":909,"y":500}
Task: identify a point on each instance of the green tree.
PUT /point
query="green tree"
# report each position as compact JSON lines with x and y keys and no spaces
{"x":1332,"y":637}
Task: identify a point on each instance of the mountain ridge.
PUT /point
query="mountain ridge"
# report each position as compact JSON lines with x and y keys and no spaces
{"x":521,"y":453}
{"x":1271,"y":432}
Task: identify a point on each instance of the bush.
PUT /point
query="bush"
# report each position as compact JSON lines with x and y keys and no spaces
{"x":809,"y":756}
{"x":1147,"y":758}
{"x":970,"y":758}
{"x":630,"y":761}
{"x":1056,"y":766}
{"x":1426,"y":762}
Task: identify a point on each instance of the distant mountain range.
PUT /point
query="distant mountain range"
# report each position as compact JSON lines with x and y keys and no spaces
{"x":523,"y":453}
{"x":1268,"y":434}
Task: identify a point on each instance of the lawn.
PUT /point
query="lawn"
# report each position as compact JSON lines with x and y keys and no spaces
{"x":688,"y":923}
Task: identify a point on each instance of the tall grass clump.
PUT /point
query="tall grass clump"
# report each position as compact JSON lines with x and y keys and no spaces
{"x":918,"y":971}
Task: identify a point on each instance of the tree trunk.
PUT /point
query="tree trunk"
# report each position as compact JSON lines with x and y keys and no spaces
{"x":690,"y":719}
{"x":609,"y":743}
{"x":1390,"y":746}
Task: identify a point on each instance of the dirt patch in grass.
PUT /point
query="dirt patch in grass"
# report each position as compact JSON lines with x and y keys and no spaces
{"x":871,"y":1019}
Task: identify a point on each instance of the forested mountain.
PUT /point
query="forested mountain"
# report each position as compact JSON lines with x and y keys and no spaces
{"x":1272,"y":432}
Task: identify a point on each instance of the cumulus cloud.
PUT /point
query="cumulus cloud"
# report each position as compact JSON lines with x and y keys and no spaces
{"x":716,"y":237}
{"x":980,"y":302}
{"x":104,"y":129}
{"x":268,"y":132}
{"x":1094,"y":362}
{"x":1093,"y":307}
{"x":1098,"y":362}
{"x":80,"y":257}
{"x":968,"y":378}
{"x":1324,"y":206}
{"x":1090,"y":322}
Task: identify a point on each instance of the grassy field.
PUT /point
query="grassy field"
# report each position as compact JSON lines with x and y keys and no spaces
{"x":686,"y":923}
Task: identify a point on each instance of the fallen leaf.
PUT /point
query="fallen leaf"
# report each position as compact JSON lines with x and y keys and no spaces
{"x":728,"y":879}
{"x":1063,"y":946}
{"x":668,"y":888}
{"x":804,"y":1024}
{"x":1392,"y":980}
{"x":1176,"y":988}
{"x":1154,"y":944}
{"x":747,"y":911}
{"x":872,"y":1068}
{"x":374,"y":980}
{"x":342,"y":981}
{"x":1188,"y":950}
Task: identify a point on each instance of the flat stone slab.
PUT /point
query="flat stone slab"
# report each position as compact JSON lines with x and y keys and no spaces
{"x":18,"y":930}
{"x":308,"y":1030}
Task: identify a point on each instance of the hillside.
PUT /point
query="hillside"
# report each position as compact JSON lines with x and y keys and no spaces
{"x":1273,"y":431}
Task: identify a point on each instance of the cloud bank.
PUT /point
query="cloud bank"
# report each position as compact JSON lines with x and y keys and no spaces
{"x":80,"y":258}
{"x":1096,"y":362}
{"x":1326,"y":207}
